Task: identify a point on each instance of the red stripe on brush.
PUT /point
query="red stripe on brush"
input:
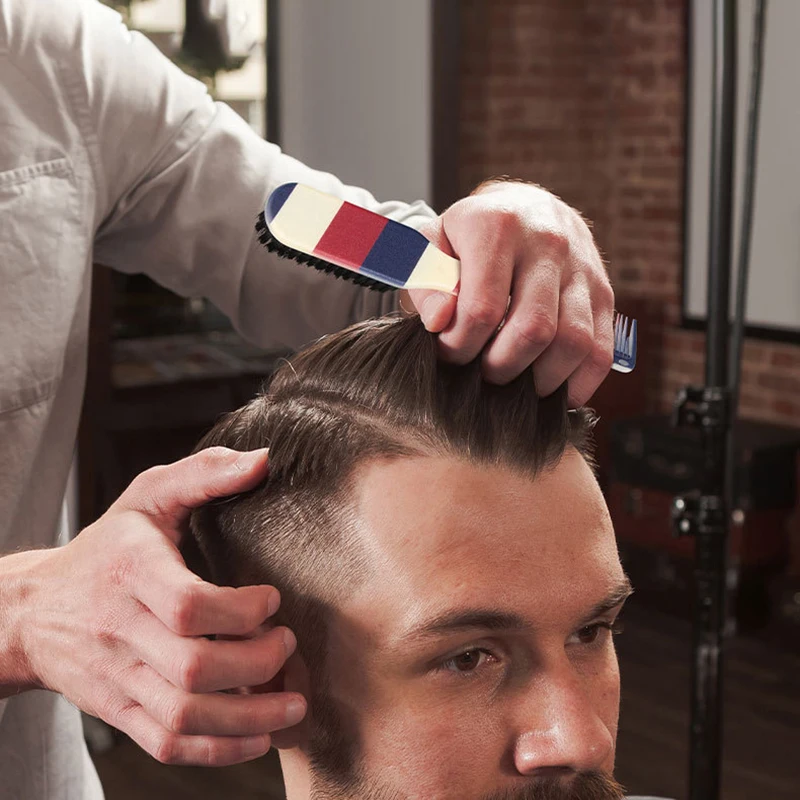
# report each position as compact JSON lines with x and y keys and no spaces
{"x":350,"y":236}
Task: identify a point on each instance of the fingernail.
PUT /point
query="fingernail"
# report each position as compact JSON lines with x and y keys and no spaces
{"x":295,"y":711}
{"x":289,"y":642}
{"x":431,"y":307}
{"x":247,"y":461}
{"x":256,"y":746}
{"x":274,"y":602}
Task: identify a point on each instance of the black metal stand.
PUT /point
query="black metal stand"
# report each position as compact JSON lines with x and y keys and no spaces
{"x":705,"y":513}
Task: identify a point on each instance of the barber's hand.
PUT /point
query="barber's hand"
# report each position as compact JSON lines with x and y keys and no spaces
{"x":116,"y":624}
{"x":518,"y":241}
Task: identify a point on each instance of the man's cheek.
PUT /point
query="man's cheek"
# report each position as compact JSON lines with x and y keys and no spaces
{"x":432,"y":751}
{"x":607,"y":692}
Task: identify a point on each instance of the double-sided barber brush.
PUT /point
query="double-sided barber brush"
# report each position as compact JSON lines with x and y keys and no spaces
{"x":350,"y":242}
{"x":335,"y":236}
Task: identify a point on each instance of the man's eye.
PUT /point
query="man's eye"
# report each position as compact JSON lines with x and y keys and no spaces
{"x":592,"y":634}
{"x":468,"y":661}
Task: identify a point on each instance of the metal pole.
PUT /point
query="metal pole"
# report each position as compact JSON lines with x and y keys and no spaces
{"x":712,"y":533}
{"x":721,"y":195}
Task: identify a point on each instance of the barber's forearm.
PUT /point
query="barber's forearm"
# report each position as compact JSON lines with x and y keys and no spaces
{"x":17,"y":585}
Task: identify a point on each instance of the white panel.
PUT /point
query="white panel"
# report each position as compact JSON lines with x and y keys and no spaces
{"x":355,"y":91}
{"x":158,"y":15}
{"x":774,"y":291}
{"x":247,"y":83}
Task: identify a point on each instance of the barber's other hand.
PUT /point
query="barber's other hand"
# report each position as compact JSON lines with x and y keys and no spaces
{"x":116,"y":623}
{"x":518,"y":241}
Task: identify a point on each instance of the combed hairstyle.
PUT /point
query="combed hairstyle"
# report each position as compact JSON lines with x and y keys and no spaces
{"x":374,"y":391}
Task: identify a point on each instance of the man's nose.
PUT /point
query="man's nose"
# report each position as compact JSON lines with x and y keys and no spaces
{"x":560,"y":729}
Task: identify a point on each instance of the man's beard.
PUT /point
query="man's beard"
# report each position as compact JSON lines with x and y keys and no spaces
{"x":337,"y":775}
{"x":583,"y":786}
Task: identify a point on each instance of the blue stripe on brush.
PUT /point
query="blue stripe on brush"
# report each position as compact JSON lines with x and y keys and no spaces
{"x":277,"y":199}
{"x":395,"y":253}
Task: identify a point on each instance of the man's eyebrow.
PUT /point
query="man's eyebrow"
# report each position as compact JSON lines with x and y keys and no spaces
{"x":618,"y":595}
{"x":468,"y":619}
{"x":494,"y":620}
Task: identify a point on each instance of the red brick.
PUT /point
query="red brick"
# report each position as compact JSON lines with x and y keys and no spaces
{"x":780,"y":383}
{"x":788,"y":410}
{"x":786,"y":358}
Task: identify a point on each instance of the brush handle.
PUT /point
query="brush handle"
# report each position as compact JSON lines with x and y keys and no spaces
{"x":331,"y":229}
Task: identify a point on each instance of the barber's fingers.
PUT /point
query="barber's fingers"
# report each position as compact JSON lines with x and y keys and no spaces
{"x":487,"y":266}
{"x":530,"y":325}
{"x":169,"y":747}
{"x":486,"y":272}
{"x":197,"y":664}
{"x":593,"y":370}
{"x":213,"y":713}
{"x":574,"y":342}
{"x":190,"y":606}
{"x":168,"y":493}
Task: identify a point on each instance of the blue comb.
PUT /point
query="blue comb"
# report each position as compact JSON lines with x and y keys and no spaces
{"x":624,"y":344}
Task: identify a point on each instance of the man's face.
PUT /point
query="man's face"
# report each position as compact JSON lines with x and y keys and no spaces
{"x":476,"y":661}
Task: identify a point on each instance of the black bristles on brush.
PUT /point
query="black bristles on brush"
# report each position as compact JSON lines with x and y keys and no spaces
{"x":274,"y":246}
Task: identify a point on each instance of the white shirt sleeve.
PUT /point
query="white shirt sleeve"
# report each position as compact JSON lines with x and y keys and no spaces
{"x":180,"y":180}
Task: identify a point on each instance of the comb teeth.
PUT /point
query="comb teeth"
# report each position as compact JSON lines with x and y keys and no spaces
{"x":625,"y":344}
{"x":274,"y":246}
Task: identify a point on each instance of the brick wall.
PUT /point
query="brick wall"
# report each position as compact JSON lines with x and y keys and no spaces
{"x":587,"y":99}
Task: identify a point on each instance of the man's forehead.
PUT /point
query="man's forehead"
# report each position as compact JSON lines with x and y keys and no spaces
{"x":446,"y":533}
{"x":432,"y":503}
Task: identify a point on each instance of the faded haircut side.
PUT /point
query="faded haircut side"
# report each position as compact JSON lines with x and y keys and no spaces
{"x":373,"y":391}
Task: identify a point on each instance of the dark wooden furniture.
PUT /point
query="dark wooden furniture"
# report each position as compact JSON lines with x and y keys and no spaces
{"x":149,"y":400}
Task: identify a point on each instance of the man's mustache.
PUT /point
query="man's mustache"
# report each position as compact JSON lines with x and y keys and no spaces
{"x":583,"y":786}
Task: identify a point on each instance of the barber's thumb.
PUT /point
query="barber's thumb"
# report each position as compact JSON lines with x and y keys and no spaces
{"x":172,"y":491}
{"x":436,"y":309}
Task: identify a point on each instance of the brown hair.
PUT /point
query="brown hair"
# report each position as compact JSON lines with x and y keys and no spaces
{"x":374,"y":391}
